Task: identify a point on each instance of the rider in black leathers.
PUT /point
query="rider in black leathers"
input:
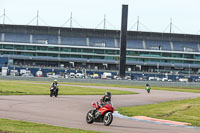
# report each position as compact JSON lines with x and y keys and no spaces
{"x":54,"y":85}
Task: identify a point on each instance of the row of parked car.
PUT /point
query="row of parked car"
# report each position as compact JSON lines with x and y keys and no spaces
{"x":81,"y":75}
{"x":105,"y":75}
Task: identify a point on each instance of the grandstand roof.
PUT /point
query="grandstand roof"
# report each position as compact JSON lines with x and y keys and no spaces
{"x":30,"y":29}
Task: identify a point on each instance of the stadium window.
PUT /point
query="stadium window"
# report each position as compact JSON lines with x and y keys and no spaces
{"x":27,"y":54}
{"x":196,"y":62}
{"x":53,"y":49}
{"x":98,"y":51}
{"x":42,"y":48}
{"x":75,"y":50}
{"x":52,"y":55}
{"x":110,"y":52}
{"x":41,"y":54}
{"x":87,"y":50}
{"x":19,"y":47}
{"x":6,"y":52}
{"x":197,"y":57}
{"x":166,"y":54}
{"x":75,"y":56}
{"x":65,"y":49}
{"x":129,"y":58}
{"x":190,"y":56}
{"x":8,"y":46}
{"x":97,"y":57}
{"x":30,"y":47}
{"x":18,"y":53}
{"x":108,"y":57}
{"x":86,"y":56}
{"x":177,"y":55}
{"x":188,"y":62}
{"x":64,"y":55}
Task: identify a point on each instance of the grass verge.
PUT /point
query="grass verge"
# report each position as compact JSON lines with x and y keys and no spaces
{"x":183,"y":111}
{"x":180,"y":89}
{"x":31,"y":88}
{"x":16,"y":126}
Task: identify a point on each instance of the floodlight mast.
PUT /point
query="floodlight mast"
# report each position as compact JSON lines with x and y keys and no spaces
{"x":138,"y":22}
{"x":37,"y":17}
{"x":170,"y":26}
{"x":123,"y":39}
{"x":4,"y":16}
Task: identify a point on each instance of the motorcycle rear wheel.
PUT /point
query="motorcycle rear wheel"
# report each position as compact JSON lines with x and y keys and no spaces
{"x":51,"y":93}
{"x":89,"y":118}
{"x":108,"y":117}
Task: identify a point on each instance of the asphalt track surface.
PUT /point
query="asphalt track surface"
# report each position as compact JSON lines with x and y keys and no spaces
{"x":70,"y":111}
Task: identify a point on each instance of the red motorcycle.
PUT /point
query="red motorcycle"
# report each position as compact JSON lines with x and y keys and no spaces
{"x":102,"y":114}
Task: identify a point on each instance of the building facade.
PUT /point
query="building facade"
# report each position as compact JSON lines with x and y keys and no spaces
{"x":42,"y":46}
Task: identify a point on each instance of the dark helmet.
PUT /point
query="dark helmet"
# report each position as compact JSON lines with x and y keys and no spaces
{"x":147,"y":84}
{"x":107,"y":96}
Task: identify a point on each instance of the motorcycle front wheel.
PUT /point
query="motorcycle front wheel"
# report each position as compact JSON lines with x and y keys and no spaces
{"x":108,"y":117}
{"x":56,"y":93}
{"x":89,"y":118}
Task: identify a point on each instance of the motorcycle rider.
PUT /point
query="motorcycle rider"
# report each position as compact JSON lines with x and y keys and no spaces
{"x":103,"y":101}
{"x":54,"y":85}
{"x":148,"y":88}
{"x":106,"y":98}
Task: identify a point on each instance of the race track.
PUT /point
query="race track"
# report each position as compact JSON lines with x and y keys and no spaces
{"x":70,"y":111}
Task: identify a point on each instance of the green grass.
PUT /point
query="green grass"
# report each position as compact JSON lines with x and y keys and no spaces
{"x":180,"y":89}
{"x":183,"y":111}
{"x":85,"y":92}
{"x":16,"y":126}
{"x":31,"y":88}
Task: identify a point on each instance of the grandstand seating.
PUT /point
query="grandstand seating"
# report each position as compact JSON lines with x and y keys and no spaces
{"x":185,"y":46}
{"x":134,"y":44}
{"x":48,"y":39}
{"x":16,"y":37}
{"x":100,"y":42}
{"x":69,"y":40}
{"x":97,"y":41}
{"x":158,"y":45}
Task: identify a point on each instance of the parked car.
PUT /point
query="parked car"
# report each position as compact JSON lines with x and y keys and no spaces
{"x":79,"y":75}
{"x":72,"y":75}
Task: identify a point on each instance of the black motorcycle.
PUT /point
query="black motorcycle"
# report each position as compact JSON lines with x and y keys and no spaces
{"x":54,"y":91}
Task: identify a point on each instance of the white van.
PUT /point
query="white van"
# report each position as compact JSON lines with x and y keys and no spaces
{"x":106,"y":75}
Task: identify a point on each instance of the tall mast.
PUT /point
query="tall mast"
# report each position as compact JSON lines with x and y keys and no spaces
{"x":71,"y":21}
{"x":104,"y":22}
{"x":138,"y":22}
{"x":171,"y":25}
{"x":37,"y":16}
{"x":4,"y":16}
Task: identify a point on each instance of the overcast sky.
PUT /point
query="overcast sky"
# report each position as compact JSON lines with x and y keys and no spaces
{"x":154,"y":15}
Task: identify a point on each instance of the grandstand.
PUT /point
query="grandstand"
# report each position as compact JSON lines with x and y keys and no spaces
{"x":42,"y":46}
